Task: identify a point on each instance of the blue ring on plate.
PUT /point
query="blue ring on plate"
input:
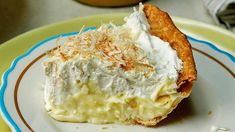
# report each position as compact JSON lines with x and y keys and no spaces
{"x":213,"y":47}
{"x":15,"y":61}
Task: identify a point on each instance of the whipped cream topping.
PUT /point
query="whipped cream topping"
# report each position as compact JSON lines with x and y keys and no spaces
{"x":136,"y":63}
{"x":167,"y":61}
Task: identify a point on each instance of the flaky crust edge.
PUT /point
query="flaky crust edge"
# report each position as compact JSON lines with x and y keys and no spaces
{"x":163,"y":27}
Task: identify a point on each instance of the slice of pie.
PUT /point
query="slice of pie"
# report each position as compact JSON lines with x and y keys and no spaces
{"x":137,"y":72}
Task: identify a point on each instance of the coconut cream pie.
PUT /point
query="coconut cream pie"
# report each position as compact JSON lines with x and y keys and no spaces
{"x":133,"y":73}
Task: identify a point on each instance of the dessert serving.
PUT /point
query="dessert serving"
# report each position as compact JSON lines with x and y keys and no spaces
{"x":135,"y":73}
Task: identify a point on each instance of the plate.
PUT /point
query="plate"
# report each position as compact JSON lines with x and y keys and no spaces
{"x":214,"y":65}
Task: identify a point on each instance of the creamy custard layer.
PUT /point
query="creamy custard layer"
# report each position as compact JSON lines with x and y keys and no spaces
{"x":94,"y":106}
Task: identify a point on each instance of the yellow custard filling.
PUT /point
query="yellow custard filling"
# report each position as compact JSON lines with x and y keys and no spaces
{"x":94,"y":106}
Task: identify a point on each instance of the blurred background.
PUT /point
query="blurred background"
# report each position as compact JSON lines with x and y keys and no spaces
{"x":19,"y":16}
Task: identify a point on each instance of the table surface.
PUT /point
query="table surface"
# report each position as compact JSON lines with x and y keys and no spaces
{"x":17,"y":17}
